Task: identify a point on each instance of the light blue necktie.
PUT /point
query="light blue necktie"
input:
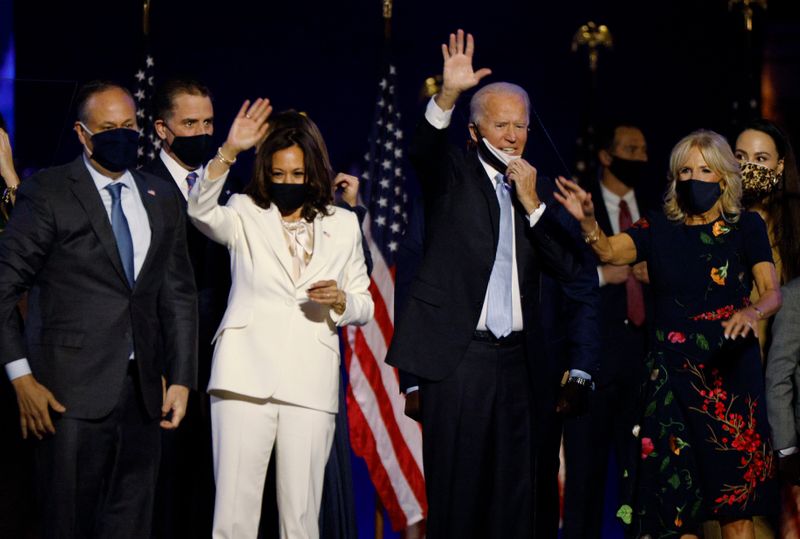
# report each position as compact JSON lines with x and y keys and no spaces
{"x":121,"y":231}
{"x":191,"y":179}
{"x":499,"y":312}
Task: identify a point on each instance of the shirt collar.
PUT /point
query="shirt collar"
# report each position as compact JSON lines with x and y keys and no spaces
{"x":612,"y":199}
{"x":101,"y":181}
{"x":175,"y":169}
{"x":490,"y":170}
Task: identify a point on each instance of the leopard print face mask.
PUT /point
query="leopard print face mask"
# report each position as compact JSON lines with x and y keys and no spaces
{"x":758,"y":181}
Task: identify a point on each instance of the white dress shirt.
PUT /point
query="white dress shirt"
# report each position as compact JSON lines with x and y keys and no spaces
{"x":138,"y":223}
{"x":612,"y":201}
{"x":179,"y":173}
{"x":440,"y":119}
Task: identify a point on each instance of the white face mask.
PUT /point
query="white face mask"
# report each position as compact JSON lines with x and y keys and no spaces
{"x":502,"y":156}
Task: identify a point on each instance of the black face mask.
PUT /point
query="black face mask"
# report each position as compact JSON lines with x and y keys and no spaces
{"x":192,"y":151}
{"x":697,"y":197}
{"x":288,"y":196}
{"x":115,"y":149}
{"x":629,"y":171}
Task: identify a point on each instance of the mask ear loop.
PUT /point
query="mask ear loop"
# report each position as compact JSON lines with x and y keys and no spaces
{"x":568,"y":173}
{"x":550,"y":141}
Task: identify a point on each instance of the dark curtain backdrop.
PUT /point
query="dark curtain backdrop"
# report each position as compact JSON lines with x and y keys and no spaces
{"x":676,"y":65}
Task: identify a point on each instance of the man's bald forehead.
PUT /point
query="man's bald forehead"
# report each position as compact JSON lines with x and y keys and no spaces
{"x":94,"y":88}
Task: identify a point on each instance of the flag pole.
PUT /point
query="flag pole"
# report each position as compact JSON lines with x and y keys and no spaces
{"x":146,"y":18}
{"x":387,"y":36}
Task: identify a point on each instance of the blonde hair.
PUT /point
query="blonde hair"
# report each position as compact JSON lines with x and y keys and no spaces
{"x":719,"y":157}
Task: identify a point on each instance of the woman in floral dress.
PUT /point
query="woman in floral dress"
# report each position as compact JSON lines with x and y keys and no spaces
{"x":703,"y":436}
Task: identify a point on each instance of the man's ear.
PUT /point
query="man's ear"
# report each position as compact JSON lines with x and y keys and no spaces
{"x":83,"y":136}
{"x":473,"y":132}
{"x":161,"y":129}
{"x":604,"y":157}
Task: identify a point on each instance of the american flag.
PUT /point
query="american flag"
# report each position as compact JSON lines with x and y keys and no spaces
{"x":389,"y":442}
{"x":149,"y":143}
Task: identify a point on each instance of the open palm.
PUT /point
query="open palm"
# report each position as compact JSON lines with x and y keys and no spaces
{"x":250,"y":125}
{"x":458,"y":74}
{"x":574,"y":199}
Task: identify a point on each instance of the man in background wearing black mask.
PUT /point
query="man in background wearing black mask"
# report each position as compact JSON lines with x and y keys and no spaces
{"x":101,"y":250}
{"x":627,"y":193}
{"x":184,"y":122}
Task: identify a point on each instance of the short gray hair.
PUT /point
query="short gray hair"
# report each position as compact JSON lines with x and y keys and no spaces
{"x":478,"y":101}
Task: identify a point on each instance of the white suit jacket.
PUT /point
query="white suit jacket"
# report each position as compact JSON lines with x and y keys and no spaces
{"x":273,"y":341}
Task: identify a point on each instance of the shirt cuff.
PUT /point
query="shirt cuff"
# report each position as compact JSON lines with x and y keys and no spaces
{"x":536,"y":214}
{"x":577,"y":373}
{"x":410,"y":390}
{"x":204,"y":175}
{"x":17,"y":369}
{"x":601,"y":280}
{"x":788,"y":451}
{"x":437,"y":117}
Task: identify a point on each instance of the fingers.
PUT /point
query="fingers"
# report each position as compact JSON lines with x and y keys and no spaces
{"x":324,"y":292}
{"x":562,"y":188}
{"x":23,"y":425}
{"x":47,"y":422}
{"x":243,"y":110}
{"x":54,"y":404}
{"x":178,"y":413}
{"x":452,"y":46}
{"x":738,"y":326}
{"x":460,"y":41}
{"x":445,"y":52}
{"x":567,"y":186}
{"x":470,"y":46}
{"x":483,"y":72}
{"x":260,"y":110}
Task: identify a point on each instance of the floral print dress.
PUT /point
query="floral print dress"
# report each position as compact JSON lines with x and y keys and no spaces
{"x":702,"y":443}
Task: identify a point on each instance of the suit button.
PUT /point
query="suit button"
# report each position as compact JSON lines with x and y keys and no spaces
{"x":626,"y":322}
{"x":289,"y":303}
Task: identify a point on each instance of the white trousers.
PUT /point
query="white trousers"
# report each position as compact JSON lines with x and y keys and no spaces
{"x":243,"y":434}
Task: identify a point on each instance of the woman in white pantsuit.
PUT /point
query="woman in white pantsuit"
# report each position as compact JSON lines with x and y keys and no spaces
{"x":297,"y":273}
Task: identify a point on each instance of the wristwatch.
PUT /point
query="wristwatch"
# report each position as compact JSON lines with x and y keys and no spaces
{"x":581,"y":381}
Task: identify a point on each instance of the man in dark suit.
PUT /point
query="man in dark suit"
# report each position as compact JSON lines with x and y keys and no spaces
{"x":184,"y":122}
{"x":472,"y":329}
{"x":623,"y":193}
{"x":100,"y":249}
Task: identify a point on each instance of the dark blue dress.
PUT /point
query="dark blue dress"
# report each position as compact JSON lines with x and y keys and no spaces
{"x":702,"y":446}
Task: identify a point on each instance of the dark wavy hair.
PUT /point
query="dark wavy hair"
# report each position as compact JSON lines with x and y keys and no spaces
{"x":290,"y":118}
{"x":164,"y":99}
{"x":315,"y":162}
{"x":783,"y":206}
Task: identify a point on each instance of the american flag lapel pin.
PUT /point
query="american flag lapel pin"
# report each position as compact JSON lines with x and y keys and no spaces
{"x":151,"y":192}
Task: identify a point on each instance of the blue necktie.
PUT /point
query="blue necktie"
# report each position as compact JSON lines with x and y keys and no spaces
{"x":499,"y":312}
{"x":121,"y":231}
{"x":191,"y":179}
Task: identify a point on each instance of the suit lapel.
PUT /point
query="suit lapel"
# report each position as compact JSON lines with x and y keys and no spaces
{"x":601,"y":212}
{"x":85,"y":190}
{"x":485,"y":187}
{"x":273,"y":233}
{"x":148,"y":194}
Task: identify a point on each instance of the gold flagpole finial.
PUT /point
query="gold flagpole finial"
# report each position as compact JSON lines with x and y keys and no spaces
{"x":387,"y":19}
{"x":592,"y":36}
{"x":747,"y":10}
{"x":146,"y":17}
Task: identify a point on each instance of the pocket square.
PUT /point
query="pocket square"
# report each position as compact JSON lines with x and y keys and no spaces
{"x":151,"y":192}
